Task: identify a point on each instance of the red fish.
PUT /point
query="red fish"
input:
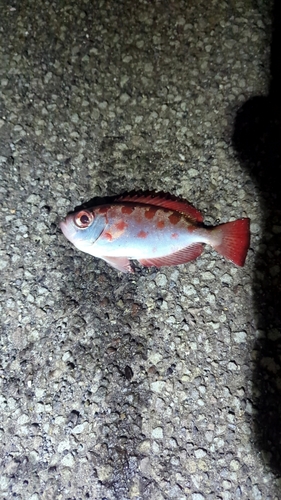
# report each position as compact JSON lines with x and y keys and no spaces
{"x":155,"y":229}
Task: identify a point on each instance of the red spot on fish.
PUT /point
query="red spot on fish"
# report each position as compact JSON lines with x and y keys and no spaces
{"x":175,"y":235}
{"x":108,"y":236}
{"x":127,"y":210}
{"x":149,"y":214}
{"x":160,"y":224}
{"x":142,"y":234}
{"x":174,"y":218}
{"x":103,"y":210}
{"x":121,"y":226}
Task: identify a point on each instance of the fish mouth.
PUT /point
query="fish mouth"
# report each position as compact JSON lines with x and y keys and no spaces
{"x":63,"y":225}
{"x":69,"y":230}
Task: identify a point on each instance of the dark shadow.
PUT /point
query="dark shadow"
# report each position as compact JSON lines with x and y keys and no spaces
{"x":95,"y":202}
{"x":257,"y":140}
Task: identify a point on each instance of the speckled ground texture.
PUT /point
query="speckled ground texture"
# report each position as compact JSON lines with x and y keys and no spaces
{"x":140,"y":386}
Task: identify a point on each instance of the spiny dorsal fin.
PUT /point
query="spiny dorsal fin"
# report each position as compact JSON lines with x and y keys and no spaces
{"x":164,"y":200}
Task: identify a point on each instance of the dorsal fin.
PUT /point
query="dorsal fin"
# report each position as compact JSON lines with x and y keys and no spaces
{"x":164,"y":200}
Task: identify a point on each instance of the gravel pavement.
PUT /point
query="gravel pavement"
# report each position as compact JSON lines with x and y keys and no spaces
{"x":163,"y":384}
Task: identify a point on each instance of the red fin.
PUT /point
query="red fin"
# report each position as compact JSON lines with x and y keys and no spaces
{"x":120,"y":263}
{"x":163,"y":200}
{"x":181,"y":257}
{"x":234,"y":240}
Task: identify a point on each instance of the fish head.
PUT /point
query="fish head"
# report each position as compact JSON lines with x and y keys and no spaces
{"x":83,"y":228}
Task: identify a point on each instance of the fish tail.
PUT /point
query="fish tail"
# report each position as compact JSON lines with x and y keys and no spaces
{"x":232,"y":240}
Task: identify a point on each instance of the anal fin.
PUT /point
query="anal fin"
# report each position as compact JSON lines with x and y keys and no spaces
{"x":181,"y":257}
{"x":120,"y":263}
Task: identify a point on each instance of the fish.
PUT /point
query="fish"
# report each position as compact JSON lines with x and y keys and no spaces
{"x":156,"y":229}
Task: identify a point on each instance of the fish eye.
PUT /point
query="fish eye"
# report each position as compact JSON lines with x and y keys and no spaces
{"x":83,"y":219}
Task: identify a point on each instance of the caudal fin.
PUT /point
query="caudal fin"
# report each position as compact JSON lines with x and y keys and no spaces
{"x":234,"y":240}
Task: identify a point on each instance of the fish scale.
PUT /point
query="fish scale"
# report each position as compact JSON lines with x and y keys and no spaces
{"x":141,"y":235}
{"x":155,"y":229}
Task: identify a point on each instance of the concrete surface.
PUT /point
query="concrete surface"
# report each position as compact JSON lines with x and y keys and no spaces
{"x":137,"y":386}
